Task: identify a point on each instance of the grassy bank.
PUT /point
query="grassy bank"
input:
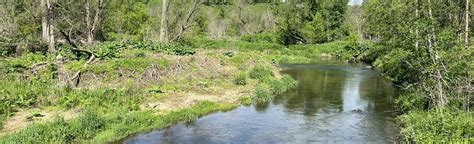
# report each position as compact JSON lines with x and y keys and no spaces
{"x":136,"y":86}
{"x":92,"y":126}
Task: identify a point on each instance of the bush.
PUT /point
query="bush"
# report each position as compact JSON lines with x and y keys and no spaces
{"x":411,"y":101}
{"x":89,"y":124}
{"x":262,"y":94}
{"x":260,"y":73}
{"x":438,"y":125}
{"x":283,"y":85}
{"x":240,"y":79}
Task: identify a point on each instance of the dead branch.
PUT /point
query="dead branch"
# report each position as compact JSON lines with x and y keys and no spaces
{"x":92,"y":57}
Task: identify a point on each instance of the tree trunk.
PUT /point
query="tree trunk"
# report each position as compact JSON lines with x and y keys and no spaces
{"x":88,"y":23}
{"x":416,"y":26}
{"x":47,"y":25}
{"x":44,"y":20}
{"x":164,"y":21}
{"x":96,"y":21}
{"x":92,"y":25}
{"x":440,"y":98}
{"x":466,"y":28}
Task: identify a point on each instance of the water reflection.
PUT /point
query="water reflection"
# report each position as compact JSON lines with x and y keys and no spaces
{"x":332,"y":103}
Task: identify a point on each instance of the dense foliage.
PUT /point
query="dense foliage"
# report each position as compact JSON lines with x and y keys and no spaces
{"x":420,"y":48}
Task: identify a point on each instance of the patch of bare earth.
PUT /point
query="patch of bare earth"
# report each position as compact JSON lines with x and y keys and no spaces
{"x":180,"y":100}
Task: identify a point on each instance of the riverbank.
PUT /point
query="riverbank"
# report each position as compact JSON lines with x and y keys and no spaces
{"x":137,"y":86}
{"x":419,"y":120}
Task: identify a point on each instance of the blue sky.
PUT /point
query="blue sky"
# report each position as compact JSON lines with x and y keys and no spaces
{"x":355,"y":2}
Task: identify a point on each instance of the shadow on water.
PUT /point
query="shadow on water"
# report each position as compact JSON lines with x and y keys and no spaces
{"x":333,"y":102}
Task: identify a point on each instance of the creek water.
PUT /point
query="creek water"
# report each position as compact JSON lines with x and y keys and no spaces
{"x":333,"y":102}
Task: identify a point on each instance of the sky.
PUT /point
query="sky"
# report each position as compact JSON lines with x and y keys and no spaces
{"x":355,"y":2}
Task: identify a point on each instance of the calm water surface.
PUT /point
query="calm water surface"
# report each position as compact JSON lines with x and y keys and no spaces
{"x":336,"y":103}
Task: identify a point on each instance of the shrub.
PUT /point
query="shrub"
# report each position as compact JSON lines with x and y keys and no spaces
{"x":438,"y":125}
{"x":260,"y":73}
{"x":240,"y":79}
{"x":283,"y":85}
{"x":410,"y":101}
{"x":262,"y":37}
{"x":262,"y":94}
{"x":89,"y":124}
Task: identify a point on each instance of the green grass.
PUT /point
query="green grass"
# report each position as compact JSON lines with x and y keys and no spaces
{"x":246,"y":100}
{"x":94,"y":127}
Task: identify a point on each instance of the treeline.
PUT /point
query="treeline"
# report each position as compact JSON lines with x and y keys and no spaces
{"x":37,"y":25}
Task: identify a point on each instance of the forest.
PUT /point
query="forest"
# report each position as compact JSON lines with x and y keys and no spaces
{"x":101,"y":71}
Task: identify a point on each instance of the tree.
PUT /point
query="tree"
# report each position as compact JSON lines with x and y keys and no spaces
{"x":164,"y":21}
{"x":47,"y":25}
{"x":418,"y":42}
{"x":466,"y":25}
{"x":93,"y":25}
{"x":315,"y":30}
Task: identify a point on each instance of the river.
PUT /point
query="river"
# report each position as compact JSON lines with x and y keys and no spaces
{"x":333,"y":102}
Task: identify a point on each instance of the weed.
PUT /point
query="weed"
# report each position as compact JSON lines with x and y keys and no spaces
{"x":240,"y":78}
{"x":245,"y":100}
{"x":262,"y":94}
{"x":260,"y":73}
{"x":284,"y":84}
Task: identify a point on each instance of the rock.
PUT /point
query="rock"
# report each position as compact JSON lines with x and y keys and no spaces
{"x":357,"y":111}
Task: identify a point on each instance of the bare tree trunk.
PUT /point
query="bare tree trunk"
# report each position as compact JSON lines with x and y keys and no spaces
{"x":44,"y":20}
{"x":51,"y":44}
{"x":416,"y":27}
{"x":466,"y":28}
{"x":95,"y":23}
{"x":440,"y":98}
{"x":164,"y":21}
{"x":92,"y":25}
{"x":88,"y":22}
{"x":47,"y":25}
{"x":240,"y":6}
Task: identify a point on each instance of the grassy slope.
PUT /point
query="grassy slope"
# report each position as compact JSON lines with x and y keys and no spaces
{"x":139,"y":91}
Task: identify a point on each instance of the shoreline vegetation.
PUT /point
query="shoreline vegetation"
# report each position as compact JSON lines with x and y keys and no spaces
{"x":216,"y":80}
{"x":97,"y":71}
